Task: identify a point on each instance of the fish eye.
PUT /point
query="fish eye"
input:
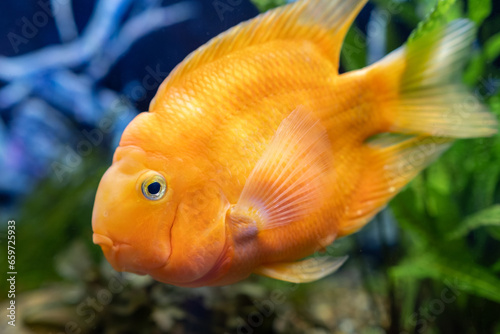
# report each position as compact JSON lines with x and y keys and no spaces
{"x":154,"y":187}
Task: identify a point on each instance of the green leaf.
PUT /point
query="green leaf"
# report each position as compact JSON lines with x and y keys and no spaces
{"x":409,"y":288}
{"x":264,"y":5}
{"x":439,"y":16}
{"x":406,"y":10}
{"x":409,"y":210}
{"x":494,"y":231}
{"x":496,"y":267}
{"x":492,"y":47}
{"x":353,"y":54}
{"x":486,"y":217}
{"x":479,"y":10}
{"x":439,"y":178}
{"x":461,"y":272}
{"x":475,"y":69}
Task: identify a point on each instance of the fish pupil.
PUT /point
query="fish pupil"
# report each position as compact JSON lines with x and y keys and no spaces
{"x":154,"y":188}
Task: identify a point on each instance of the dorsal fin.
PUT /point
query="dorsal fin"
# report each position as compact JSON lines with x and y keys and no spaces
{"x":323,"y":22}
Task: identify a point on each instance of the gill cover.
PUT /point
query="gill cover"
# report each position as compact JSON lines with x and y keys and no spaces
{"x":198,"y":236}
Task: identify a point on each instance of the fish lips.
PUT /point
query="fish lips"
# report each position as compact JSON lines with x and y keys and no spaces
{"x":124,"y":257}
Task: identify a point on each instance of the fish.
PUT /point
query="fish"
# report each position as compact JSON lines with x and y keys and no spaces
{"x":257,"y":153}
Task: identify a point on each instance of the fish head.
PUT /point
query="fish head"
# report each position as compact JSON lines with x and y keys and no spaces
{"x":134,"y":211}
{"x":156,"y":212}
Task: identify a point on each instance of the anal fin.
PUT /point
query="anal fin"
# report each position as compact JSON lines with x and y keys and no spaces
{"x":391,"y":163}
{"x":304,"y":271}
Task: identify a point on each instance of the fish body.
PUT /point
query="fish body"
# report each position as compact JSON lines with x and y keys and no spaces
{"x":255,"y":153}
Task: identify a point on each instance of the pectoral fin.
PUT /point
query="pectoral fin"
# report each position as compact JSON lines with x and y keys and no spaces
{"x":304,"y":271}
{"x":289,"y":180}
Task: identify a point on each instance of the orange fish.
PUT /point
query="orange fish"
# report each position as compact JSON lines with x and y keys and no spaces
{"x":255,"y":152}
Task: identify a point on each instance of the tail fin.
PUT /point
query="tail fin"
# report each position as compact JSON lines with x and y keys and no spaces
{"x":420,"y":89}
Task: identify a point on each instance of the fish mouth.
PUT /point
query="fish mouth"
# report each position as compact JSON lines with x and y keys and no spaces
{"x":102,"y":240}
{"x":119,"y":255}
